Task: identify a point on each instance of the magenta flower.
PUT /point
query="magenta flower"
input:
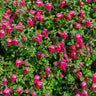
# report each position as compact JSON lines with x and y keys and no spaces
{"x":81,"y":3}
{"x":48,"y":7}
{"x":22,"y":3}
{"x":8,"y":11}
{"x":88,"y":49}
{"x":8,"y":41}
{"x":6,"y":91}
{"x":2,"y":33}
{"x":23,"y":39}
{"x":33,"y":93}
{"x":81,"y":13}
{"x":15,"y":3}
{"x":93,"y":87}
{"x":19,"y":90}
{"x":88,"y":23}
{"x":81,"y":64}
{"x":39,"y":55}
{"x":79,"y":74}
{"x":83,"y":84}
{"x":88,"y":1}
{"x":47,"y":69}
{"x":94,"y":78}
{"x":26,"y":91}
{"x":58,"y":16}
{"x":36,"y":78}
{"x":39,"y":84}
{"x":58,"y":48}
{"x":15,"y":41}
{"x":62,"y":65}
{"x":51,"y":48}
{"x":13,"y":78}
{"x":84,"y":93}
{"x":38,"y":3}
{"x":73,"y":55}
{"x":44,"y":32}
{"x":25,"y":70}
{"x":18,"y":62}
{"x":8,"y":29}
{"x":30,"y":22}
{"x":61,"y":44}
{"x":77,"y":25}
{"x":78,"y":94}
{"x":40,"y":18}
{"x":4,"y":81}
{"x":62,"y":4}
{"x":73,"y":48}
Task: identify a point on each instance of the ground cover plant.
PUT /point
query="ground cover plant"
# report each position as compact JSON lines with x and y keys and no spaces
{"x":48,"y":48}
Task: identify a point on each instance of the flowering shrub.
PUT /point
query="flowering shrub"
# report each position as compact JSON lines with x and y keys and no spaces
{"x":48,"y":48}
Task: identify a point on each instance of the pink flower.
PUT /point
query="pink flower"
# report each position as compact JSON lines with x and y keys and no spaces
{"x":81,"y":13}
{"x":40,"y":18}
{"x":39,"y":55}
{"x":83,"y":84}
{"x":61,"y":44}
{"x":8,"y":11}
{"x":62,"y":4}
{"x":38,"y":3}
{"x":20,"y":27}
{"x":8,"y":29}
{"x":58,"y":16}
{"x":88,"y":1}
{"x":47,"y":55}
{"x":62,"y":65}
{"x":6,"y":16}
{"x":23,"y":39}
{"x":58,"y":48}
{"x":79,"y":74}
{"x":4,"y":81}
{"x":19,"y":90}
{"x":93,"y":87}
{"x":38,"y":84}
{"x":77,"y":25}
{"x":37,"y":77}
{"x":30,"y":22}
{"x":47,"y":69}
{"x":25,"y":70}
{"x":84,"y":93}
{"x":73,"y":55}
{"x":48,"y":7}
{"x":13,"y":78}
{"x":2,"y":33}
{"x":81,"y":64}
{"x":94,"y":78}
{"x":78,"y":94}
{"x":20,"y":45}
{"x":78,"y":37}
{"x":22,"y":3}
{"x":15,"y":3}
{"x":64,"y":35}
{"x":61,"y":75}
{"x":38,"y":38}
{"x":80,"y":51}
{"x":15,"y":41}
{"x":33,"y":93}
{"x":81,"y":3}
{"x":88,"y":49}
{"x":51,"y":48}
{"x":8,"y":41}
{"x":18,"y":62}
{"x":6,"y":91}
{"x":44,"y":32}
{"x":88,"y":23}
{"x":73,"y":48}
{"x":26,"y":91}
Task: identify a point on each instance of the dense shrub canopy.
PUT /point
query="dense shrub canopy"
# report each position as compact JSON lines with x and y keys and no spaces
{"x":48,"y":47}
